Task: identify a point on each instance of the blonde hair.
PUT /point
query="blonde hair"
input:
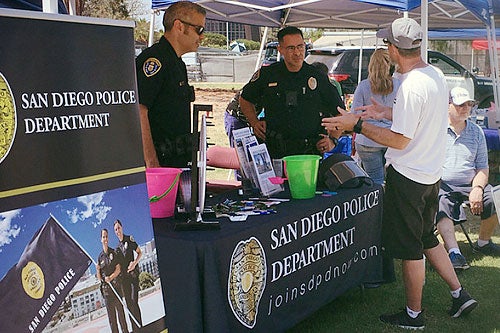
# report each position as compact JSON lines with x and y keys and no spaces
{"x":379,"y":72}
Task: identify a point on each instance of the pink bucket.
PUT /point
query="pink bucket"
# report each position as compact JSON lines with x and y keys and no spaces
{"x":162,"y":190}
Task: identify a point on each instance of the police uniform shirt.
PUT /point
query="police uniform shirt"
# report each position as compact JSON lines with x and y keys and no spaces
{"x":108,"y":261}
{"x":163,"y":88}
{"x":294,"y":102}
{"x":127,"y":248}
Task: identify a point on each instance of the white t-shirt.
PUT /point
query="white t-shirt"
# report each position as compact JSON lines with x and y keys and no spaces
{"x":420,"y":113}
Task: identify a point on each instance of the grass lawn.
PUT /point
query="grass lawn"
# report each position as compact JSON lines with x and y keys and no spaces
{"x":355,"y":312}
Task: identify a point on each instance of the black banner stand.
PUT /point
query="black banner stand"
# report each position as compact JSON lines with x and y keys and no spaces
{"x":199,"y":144}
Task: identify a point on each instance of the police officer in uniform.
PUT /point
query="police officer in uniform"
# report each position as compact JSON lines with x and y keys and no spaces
{"x":164,"y":92}
{"x":129,"y":272}
{"x":108,"y":270}
{"x":295,"y":97}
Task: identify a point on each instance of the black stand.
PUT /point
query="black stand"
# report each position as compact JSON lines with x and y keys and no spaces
{"x":195,"y":218}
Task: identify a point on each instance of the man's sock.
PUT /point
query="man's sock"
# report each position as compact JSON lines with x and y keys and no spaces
{"x":456,"y":293}
{"x":411,"y":313}
{"x":454,"y":250}
{"x":482,"y":243}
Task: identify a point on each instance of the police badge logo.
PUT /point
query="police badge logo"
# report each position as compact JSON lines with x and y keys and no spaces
{"x":151,"y":66}
{"x":255,"y":76}
{"x":247,"y":280}
{"x":33,"y":280}
{"x":8,"y":117}
{"x":312,"y":83}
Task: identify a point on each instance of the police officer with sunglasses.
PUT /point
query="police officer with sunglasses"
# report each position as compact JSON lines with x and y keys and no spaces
{"x":164,"y":93}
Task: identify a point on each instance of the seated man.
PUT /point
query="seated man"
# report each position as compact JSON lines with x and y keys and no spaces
{"x":465,"y":178}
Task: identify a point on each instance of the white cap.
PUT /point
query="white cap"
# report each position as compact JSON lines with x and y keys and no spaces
{"x":459,"y":96}
{"x":404,"y":33}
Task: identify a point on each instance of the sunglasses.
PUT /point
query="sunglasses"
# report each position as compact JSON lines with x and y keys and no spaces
{"x":386,"y":41}
{"x":197,"y":28}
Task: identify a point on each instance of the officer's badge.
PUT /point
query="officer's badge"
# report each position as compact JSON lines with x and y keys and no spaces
{"x":312,"y":83}
{"x":33,"y":280}
{"x":255,"y":76}
{"x":151,"y":66}
{"x":125,"y":246}
{"x":111,"y":256}
{"x":247,"y":280}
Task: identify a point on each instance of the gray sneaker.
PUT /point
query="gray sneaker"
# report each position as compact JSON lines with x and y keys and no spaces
{"x":462,"y":305}
{"x":490,"y":249}
{"x":458,"y":261}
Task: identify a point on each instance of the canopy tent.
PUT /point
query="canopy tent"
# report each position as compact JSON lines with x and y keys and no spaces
{"x":31,"y":5}
{"x":345,"y":14}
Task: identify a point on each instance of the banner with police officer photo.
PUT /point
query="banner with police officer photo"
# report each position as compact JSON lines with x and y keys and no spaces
{"x":77,"y":248}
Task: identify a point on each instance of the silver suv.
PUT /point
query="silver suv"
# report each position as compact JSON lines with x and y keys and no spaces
{"x":343,"y":63}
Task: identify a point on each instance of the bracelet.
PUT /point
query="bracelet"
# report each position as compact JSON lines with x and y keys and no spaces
{"x":334,"y":140}
{"x":481,"y":187}
{"x":358,"y":127}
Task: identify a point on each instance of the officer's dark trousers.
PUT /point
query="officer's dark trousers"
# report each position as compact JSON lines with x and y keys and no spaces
{"x":114,"y":308}
{"x":131,"y":291}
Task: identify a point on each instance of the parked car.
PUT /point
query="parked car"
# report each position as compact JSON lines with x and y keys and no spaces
{"x":343,"y":63}
{"x":271,"y":53}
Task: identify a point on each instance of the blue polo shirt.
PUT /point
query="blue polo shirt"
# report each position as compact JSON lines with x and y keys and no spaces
{"x":465,"y":154}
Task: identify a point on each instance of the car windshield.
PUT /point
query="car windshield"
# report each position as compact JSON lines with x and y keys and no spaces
{"x":328,"y":60}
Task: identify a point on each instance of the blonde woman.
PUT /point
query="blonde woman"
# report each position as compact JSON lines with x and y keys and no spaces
{"x":382,"y":87}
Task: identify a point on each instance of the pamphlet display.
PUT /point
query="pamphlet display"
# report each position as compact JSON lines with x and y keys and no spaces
{"x":256,"y":164}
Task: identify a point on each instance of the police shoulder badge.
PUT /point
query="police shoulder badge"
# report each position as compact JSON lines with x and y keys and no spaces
{"x":312,"y":83}
{"x":247,"y":280}
{"x":151,"y":66}
{"x":255,"y":76}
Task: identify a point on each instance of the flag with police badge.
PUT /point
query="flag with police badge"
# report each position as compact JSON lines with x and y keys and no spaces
{"x":33,"y":289}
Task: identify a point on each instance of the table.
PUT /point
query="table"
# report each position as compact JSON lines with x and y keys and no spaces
{"x":272,"y":271}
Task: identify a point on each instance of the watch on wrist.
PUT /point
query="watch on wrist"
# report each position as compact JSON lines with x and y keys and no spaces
{"x":358,"y":127}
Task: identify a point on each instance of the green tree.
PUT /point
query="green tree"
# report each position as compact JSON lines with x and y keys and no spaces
{"x":211,"y":39}
{"x":146,"y":280}
{"x":112,"y":9}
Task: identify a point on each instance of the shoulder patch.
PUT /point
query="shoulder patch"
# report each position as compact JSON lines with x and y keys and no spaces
{"x":151,"y":66}
{"x":255,"y":76}
{"x":132,"y":238}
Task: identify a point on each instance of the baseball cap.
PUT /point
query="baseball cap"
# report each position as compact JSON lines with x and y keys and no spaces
{"x":460,"y":95}
{"x":404,"y":33}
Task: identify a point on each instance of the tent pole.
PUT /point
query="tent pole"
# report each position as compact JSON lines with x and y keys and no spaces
{"x":262,"y":43}
{"x":50,"y":6}
{"x":492,"y":43}
{"x":424,"y":18}
{"x":151,"y":28}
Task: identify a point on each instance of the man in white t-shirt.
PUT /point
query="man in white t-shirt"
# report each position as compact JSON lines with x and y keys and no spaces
{"x":415,"y":158}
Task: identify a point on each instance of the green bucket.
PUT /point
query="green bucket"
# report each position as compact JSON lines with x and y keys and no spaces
{"x":302,"y":174}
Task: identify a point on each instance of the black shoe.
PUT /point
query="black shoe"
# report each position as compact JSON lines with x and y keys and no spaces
{"x":490,"y":249}
{"x":462,"y":305}
{"x":458,"y":261}
{"x":403,"y":320}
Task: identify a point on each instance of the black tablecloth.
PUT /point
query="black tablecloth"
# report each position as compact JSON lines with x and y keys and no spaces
{"x":272,"y":271}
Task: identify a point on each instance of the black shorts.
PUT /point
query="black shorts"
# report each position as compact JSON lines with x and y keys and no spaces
{"x":451,"y":198}
{"x":408,"y":218}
